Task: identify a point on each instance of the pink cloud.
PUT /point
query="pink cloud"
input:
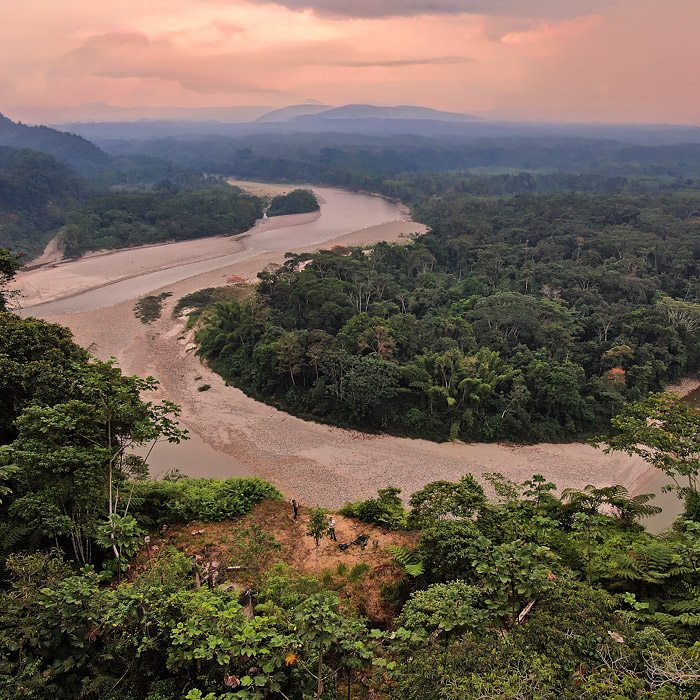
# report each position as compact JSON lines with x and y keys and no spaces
{"x":524,"y":58}
{"x":132,"y":55}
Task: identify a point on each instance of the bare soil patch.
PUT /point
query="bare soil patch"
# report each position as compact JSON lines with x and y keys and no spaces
{"x":206,"y":543}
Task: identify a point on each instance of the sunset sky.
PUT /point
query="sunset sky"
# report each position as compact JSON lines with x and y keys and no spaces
{"x":571,"y":60}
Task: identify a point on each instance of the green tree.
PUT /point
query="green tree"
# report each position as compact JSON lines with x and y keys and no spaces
{"x":210,"y":635}
{"x":9,"y":264}
{"x":290,"y":354}
{"x":38,"y":365}
{"x":323,"y":632}
{"x":665,"y":432}
{"x":439,"y":500}
{"x":317,"y":528}
{"x":513,"y":574}
{"x":72,"y":464}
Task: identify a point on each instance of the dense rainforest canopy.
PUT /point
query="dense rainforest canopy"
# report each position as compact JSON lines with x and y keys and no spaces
{"x":36,"y":193}
{"x":122,"y":219}
{"x":41,"y":198}
{"x":365,"y":161}
{"x":525,"y":318}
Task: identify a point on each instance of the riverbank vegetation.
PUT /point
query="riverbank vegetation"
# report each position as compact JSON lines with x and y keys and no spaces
{"x":149,"y":308}
{"x":294,"y":202}
{"x":123,"y":219}
{"x":521,"y":318}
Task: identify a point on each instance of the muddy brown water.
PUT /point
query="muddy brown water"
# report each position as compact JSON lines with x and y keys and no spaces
{"x":192,"y":457}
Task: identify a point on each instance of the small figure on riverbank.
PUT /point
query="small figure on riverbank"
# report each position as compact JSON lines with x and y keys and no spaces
{"x":295,"y":505}
{"x":331,"y":530}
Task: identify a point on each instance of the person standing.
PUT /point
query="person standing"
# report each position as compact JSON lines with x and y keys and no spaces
{"x":331,"y":529}
{"x":295,"y":505}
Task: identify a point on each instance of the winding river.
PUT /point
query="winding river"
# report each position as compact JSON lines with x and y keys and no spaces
{"x":232,"y":434}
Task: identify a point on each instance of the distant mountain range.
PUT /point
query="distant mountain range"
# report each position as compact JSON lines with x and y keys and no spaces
{"x":404,"y":112}
{"x":374,"y":121}
{"x":302,"y":118}
{"x":304,"y":113}
{"x":291,"y":112}
{"x":76,"y":151}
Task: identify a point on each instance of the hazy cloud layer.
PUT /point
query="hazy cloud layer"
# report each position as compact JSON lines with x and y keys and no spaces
{"x":403,"y":62}
{"x":410,"y":8}
{"x":133,"y":55}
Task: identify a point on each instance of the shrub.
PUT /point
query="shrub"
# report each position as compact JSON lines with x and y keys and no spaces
{"x":386,"y":510}
{"x":359,"y":570}
{"x":443,"y":608}
{"x":200,"y":499}
{"x":149,"y":308}
{"x":440,"y":500}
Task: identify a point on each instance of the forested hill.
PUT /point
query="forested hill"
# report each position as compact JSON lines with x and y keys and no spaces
{"x":36,"y":193}
{"x":523,"y":318}
{"x":41,"y":197}
{"x":79,"y":153}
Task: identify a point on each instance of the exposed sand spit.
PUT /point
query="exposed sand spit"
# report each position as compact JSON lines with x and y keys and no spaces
{"x":51,"y":254}
{"x":264,"y":189}
{"x":66,"y":278}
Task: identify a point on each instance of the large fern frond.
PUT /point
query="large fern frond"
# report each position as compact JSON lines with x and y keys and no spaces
{"x":407,"y":560}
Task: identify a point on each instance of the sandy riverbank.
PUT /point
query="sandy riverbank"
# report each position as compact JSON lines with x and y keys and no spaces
{"x":316,"y":463}
{"x":264,"y":189}
{"x":66,"y":278}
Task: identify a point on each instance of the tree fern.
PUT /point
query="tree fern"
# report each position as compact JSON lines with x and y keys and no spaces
{"x":614,"y":498}
{"x":650,"y":564}
{"x":11,"y":534}
{"x":407,"y":560}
